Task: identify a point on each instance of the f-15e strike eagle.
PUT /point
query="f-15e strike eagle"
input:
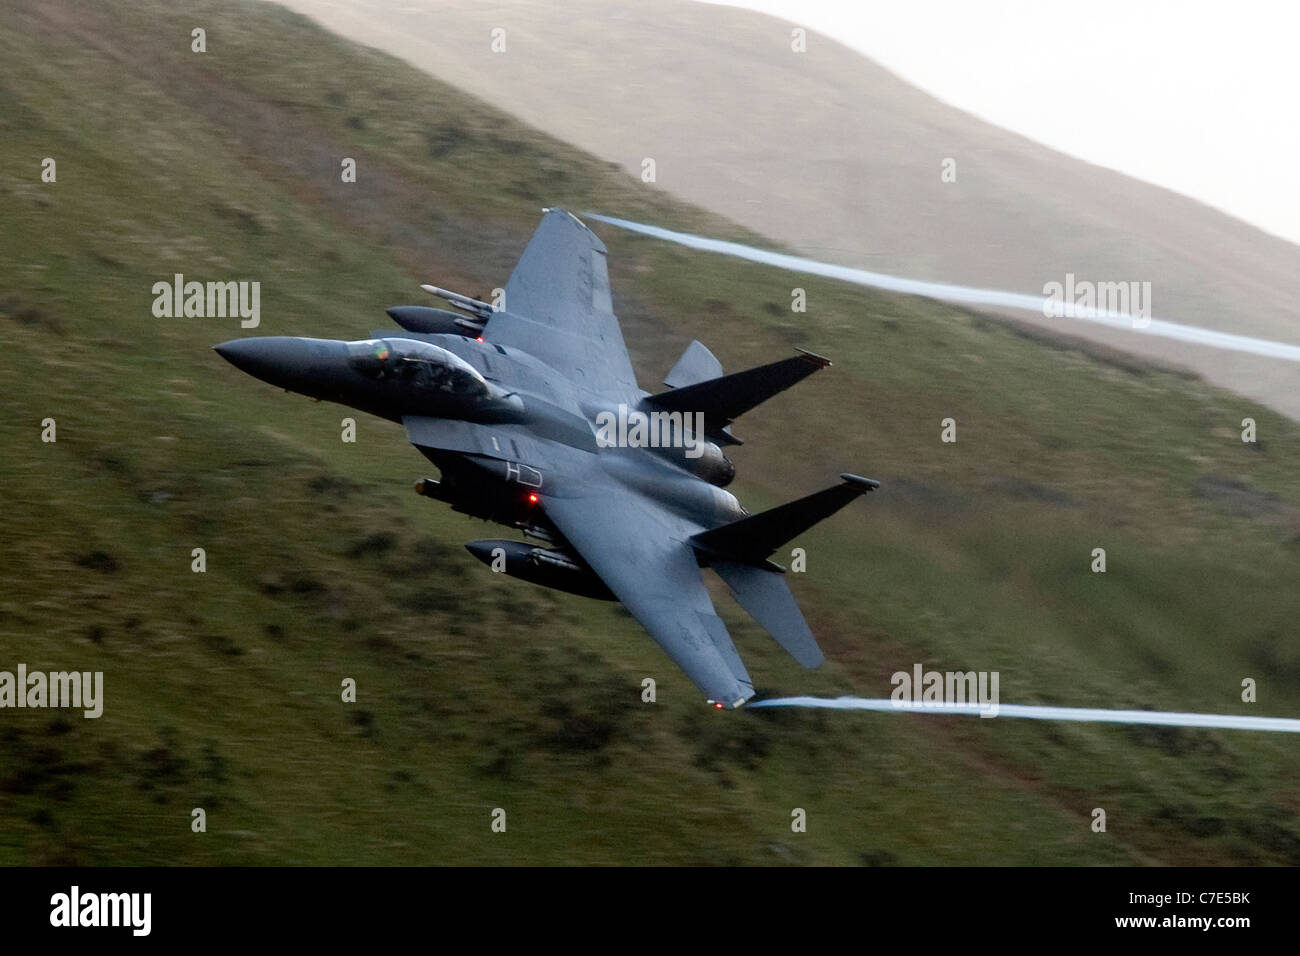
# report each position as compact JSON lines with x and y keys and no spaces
{"x":533,"y":416}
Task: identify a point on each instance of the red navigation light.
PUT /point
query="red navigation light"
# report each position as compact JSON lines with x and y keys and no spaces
{"x":479,"y":339}
{"x":532,"y":499}
{"x":717,"y":704}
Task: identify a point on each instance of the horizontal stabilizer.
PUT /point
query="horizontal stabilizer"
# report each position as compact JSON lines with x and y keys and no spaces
{"x":697,"y":364}
{"x":752,"y":539}
{"x":724,"y":399}
{"x":766,"y":596}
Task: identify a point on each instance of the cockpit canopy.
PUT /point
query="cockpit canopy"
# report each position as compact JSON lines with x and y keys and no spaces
{"x":425,"y":366}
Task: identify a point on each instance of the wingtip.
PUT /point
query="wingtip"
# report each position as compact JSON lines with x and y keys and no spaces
{"x":736,"y":704}
{"x":820,"y":361}
{"x":865,"y":484}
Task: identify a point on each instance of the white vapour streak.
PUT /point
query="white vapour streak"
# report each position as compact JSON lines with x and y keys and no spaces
{"x":966,"y":295}
{"x":1084,"y":714}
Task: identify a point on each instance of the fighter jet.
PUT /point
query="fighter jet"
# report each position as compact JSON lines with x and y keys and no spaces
{"x":531,"y":412}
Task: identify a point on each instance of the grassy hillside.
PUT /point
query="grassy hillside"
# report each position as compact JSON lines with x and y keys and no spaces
{"x":474,"y":692}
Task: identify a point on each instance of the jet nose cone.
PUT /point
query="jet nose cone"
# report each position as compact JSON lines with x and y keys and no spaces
{"x":247,"y":355}
{"x":228,"y":350}
{"x":293,"y":363}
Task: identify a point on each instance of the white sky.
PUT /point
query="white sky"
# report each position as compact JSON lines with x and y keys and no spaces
{"x":1200,"y":97}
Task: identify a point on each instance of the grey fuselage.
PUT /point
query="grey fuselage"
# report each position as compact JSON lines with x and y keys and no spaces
{"x":421,"y":380}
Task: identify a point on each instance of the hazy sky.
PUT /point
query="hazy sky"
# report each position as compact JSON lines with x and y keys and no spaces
{"x":1200,"y":97}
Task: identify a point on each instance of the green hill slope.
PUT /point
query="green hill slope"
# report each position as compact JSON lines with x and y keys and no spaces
{"x":474,"y":693}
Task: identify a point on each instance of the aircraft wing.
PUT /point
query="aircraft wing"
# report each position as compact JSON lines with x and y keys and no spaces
{"x":642,"y":554}
{"x":558,"y":308}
